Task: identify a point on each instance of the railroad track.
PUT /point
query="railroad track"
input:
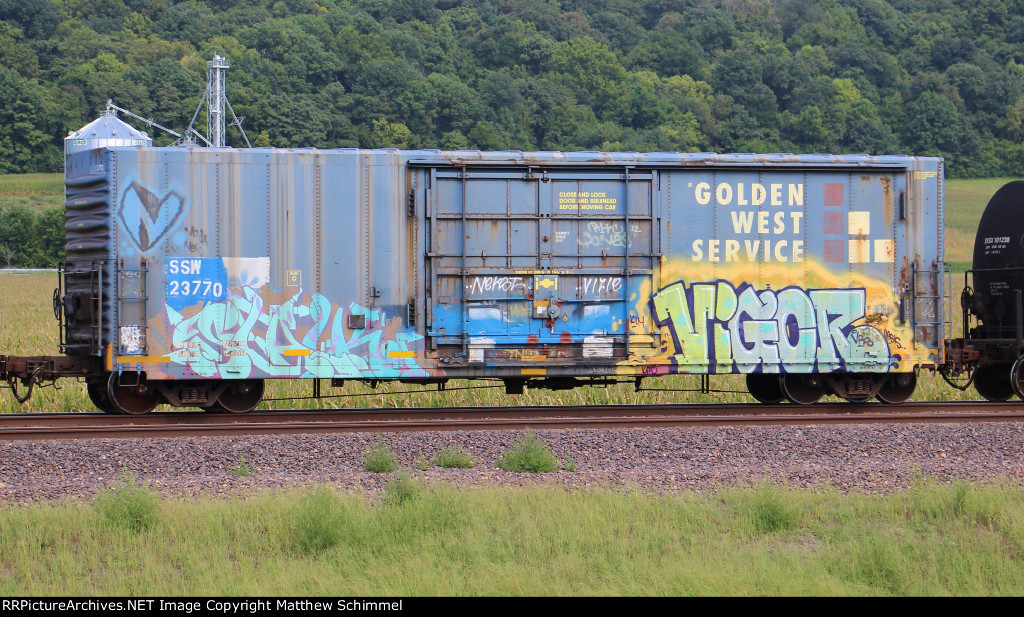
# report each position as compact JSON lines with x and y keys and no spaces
{"x":40,"y":426}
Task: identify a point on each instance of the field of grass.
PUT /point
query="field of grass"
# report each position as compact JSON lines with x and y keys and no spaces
{"x":440,"y":540}
{"x":38,"y":191}
{"x":965,"y":202}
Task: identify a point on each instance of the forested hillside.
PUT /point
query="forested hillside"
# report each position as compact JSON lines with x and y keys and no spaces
{"x":924,"y":77}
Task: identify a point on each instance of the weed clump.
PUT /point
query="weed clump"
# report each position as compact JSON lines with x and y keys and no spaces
{"x":422,"y":463}
{"x":241,"y":468}
{"x":317,"y":522}
{"x":768,"y":510}
{"x":402,"y":488}
{"x":453,"y":458}
{"x":127,"y":504}
{"x":380,"y":458}
{"x":530,"y":454}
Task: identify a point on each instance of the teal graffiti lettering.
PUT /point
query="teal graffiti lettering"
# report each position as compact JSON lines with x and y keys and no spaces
{"x":716,"y":327}
{"x":246,"y":337}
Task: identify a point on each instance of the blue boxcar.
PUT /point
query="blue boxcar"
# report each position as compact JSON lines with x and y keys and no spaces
{"x":197,"y":268}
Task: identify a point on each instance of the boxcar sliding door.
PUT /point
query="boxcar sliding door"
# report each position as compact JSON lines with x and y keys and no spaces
{"x":540,"y":265}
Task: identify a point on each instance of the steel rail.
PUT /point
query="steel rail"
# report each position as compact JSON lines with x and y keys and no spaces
{"x":83,"y":426}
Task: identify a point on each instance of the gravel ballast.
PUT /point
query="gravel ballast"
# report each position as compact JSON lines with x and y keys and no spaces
{"x":872,"y":458}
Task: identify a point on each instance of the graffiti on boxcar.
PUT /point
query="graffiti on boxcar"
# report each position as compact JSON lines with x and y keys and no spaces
{"x":600,"y":285}
{"x":606,"y":234}
{"x":730,"y":329}
{"x":148,"y":217}
{"x":892,"y":339}
{"x":510,"y":285}
{"x":305,"y":335}
{"x":196,"y":239}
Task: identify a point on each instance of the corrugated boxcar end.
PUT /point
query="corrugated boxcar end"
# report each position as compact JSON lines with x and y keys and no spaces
{"x":89,"y":268}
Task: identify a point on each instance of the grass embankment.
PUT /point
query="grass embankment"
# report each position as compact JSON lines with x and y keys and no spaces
{"x":929,"y":540}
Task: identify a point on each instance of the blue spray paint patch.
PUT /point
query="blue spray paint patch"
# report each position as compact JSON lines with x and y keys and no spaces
{"x":191,"y":280}
{"x":147,"y":216}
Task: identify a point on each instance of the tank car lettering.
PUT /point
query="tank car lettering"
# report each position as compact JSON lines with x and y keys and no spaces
{"x":792,"y":330}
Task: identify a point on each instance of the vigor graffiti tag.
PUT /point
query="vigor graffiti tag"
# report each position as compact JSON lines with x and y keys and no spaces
{"x":717,"y":327}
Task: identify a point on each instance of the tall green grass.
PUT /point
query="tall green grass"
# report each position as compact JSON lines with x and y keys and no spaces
{"x":965,"y":203}
{"x":931,"y":539}
{"x":35,"y":190}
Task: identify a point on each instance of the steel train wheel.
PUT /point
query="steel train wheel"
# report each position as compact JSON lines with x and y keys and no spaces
{"x":765,"y":387}
{"x":993,"y":382}
{"x":138,"y":399}
{"x":240,"y":396}
{"x":803,"y":389}
{"x":98,"y":396}
{"x":897,"y":388}
{"x":1017,"y":377}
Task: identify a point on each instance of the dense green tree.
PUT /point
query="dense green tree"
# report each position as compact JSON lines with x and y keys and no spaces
{"x":37,"y":19}
{"x":29,"y":239}
{"x":26,"y":130}
{"x":921,"y":77}
{"x":389,"y":134}
{"x":934,"y":127}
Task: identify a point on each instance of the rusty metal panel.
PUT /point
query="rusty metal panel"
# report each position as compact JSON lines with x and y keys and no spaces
{"x":268,"y":263}
{"x":527,"y":258}
{"x":798,"y":270}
